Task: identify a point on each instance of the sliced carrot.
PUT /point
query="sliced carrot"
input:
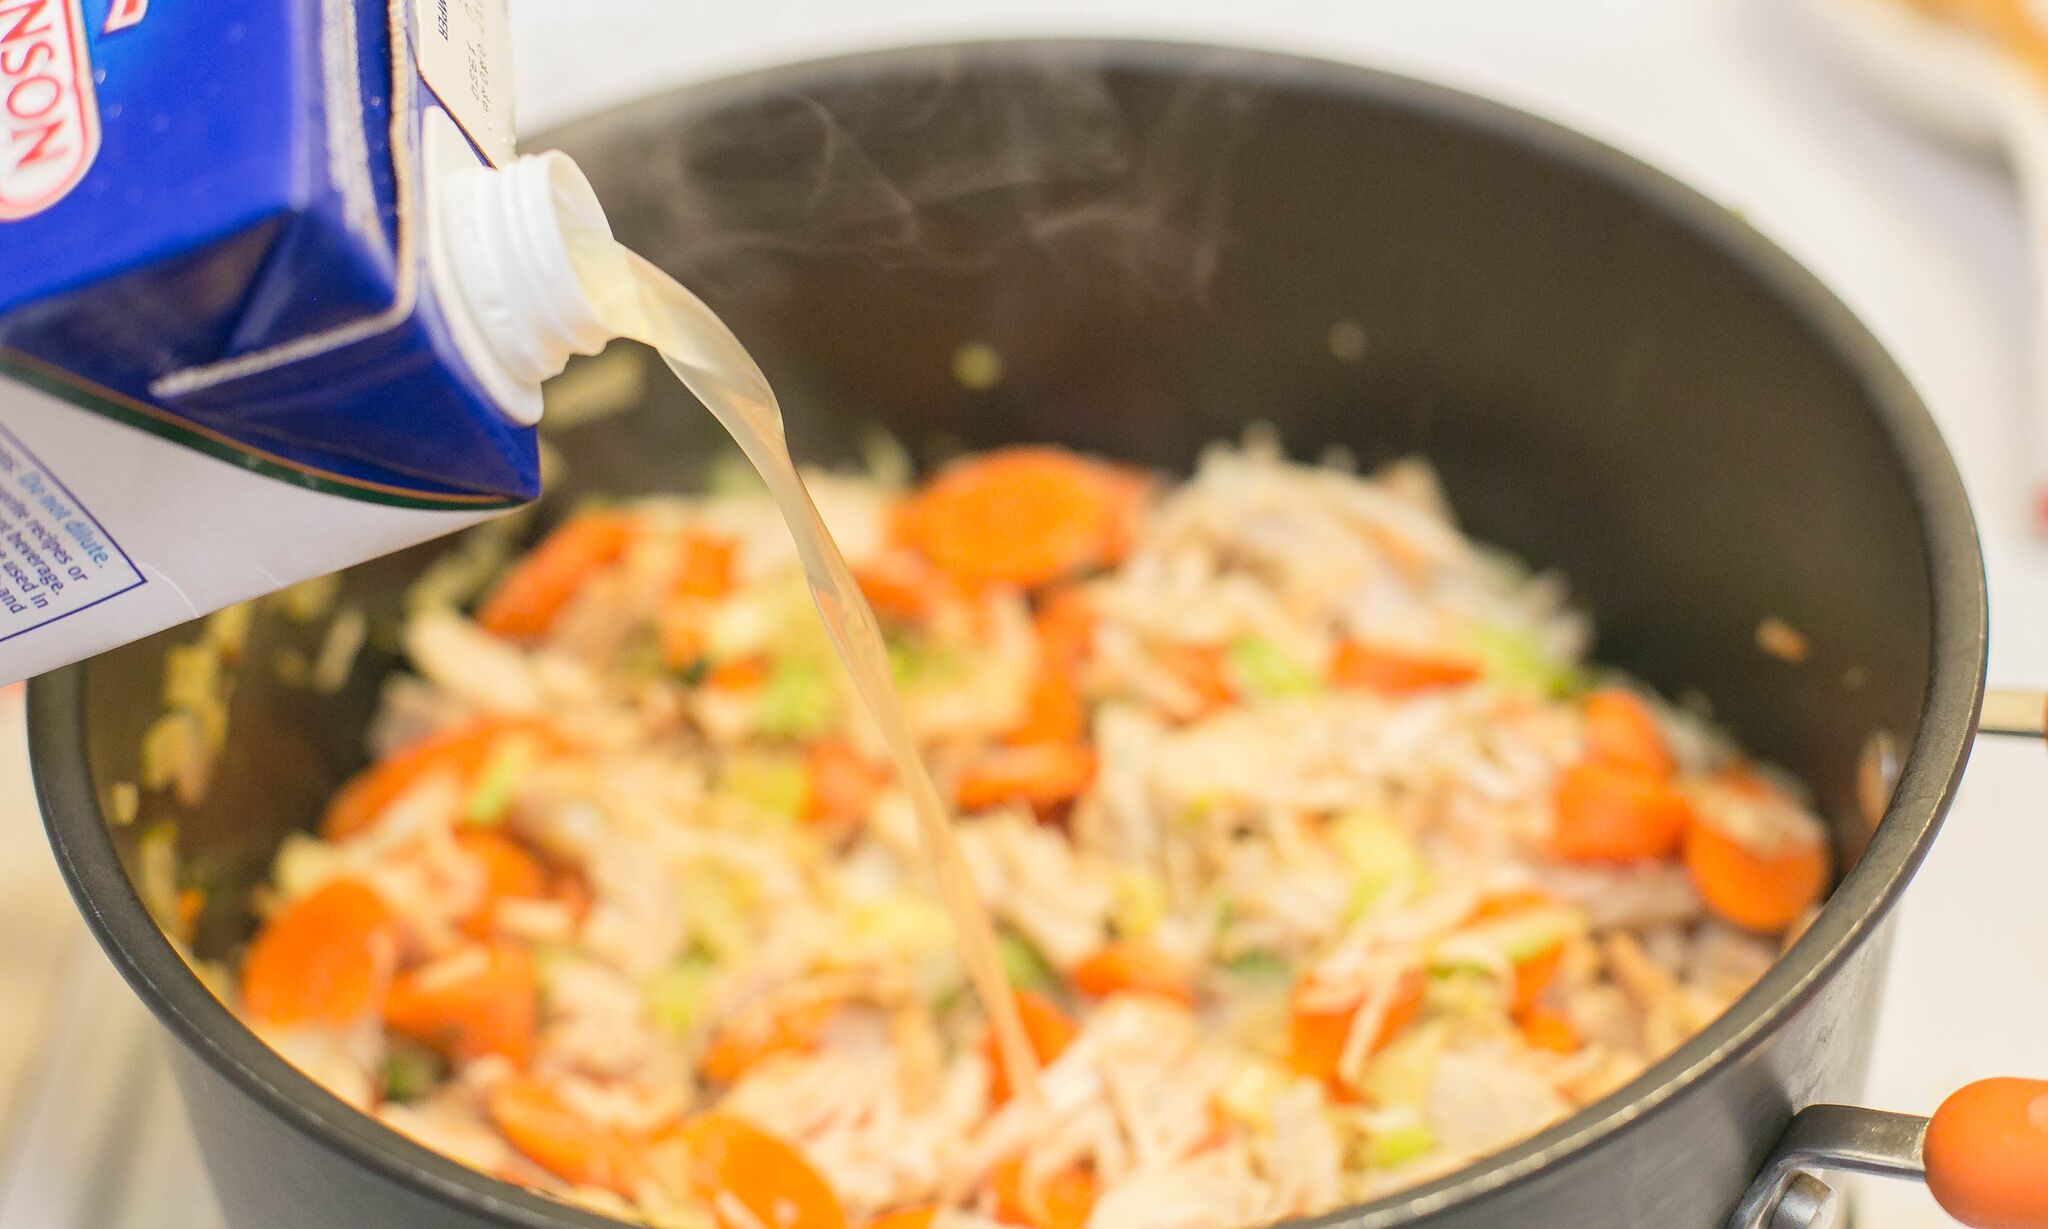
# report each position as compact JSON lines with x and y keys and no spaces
{"x":840,"y":783}
{"x":1021,"y":516}
{"x":1054,"y":712}
{"x":1397,"y":671}
{"x":1549,"y":1030}
{"x":1611,"y":814}
{"x":553,"y":1134}
{"x":727,"y":1157}
{"x":1066,"y":627}
{"x":460,"y":751}
{"x":1621,"y":730}
{"x":904,"y":587}
{"x":1759,"y":890}
{"x":1507,"y":904}
{"x":525,"y":601}
{"x":568,"y":888}
{"x":1128,"y":490}
{"x":1129,"y":966}
{"x":1533,"y":979}
{"x":509,"y":872}
{"x":760,"y":1036}
{"x":1061,"y":1200}
{"x":1203,"y":669}
{"x":481,"y":1000}
{"x":1042,"y":775}
{"x":191,"y":903}
{"x":1046,"y":1027}
{"x":1316,"y":1035}
{"x":919,"y":1217}
{"x":325,"y":961}
{"x":705,"y":566}
{"x":748,"y":673}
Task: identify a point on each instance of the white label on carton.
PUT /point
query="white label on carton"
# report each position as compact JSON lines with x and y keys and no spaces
{"x":161,"y":532}
{"x":465,"y":55}
{"x":55,"y":558}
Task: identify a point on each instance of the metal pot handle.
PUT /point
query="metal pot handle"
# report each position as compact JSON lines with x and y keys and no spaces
{"x":1984,"y":1153}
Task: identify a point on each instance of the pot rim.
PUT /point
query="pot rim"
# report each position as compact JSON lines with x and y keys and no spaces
{"x":85,"y":852}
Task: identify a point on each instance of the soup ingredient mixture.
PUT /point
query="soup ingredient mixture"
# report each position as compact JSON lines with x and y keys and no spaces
{"x":1321,"y":863}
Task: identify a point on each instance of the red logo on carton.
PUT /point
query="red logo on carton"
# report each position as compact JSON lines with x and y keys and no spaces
{"x":49,"y":120}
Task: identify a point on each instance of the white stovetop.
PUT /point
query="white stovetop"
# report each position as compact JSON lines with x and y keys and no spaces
{"x":1924,"y":244}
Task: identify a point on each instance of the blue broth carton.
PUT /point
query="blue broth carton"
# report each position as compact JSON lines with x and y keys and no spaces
{"x":244,"y":339}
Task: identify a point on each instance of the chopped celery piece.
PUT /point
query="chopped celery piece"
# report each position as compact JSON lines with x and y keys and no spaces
{"x":1401,"y":1073}
{"x":1380,"y":856}
{"x":1259,"y":963}
{"x":1138,"y":901}
{"x":916,"y":661}
{"x":1024,"y":965}
{"x":1513,"y":657}
{"x":1510,"y":940}
{"x":1267,"y":672}
{"x":906,"y":923}
{"x":1399,"y":1145}
{"x":410,"y":1072}
{"x":676,"y":995}
{"x":500,"y":779}
{"x":717,"y":909}
{"x":1464,"y":993}
{"x":799,"y":700}
{"x":770,"y":783}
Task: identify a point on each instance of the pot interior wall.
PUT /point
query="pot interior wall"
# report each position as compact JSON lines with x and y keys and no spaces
{"x":1158,"y":258}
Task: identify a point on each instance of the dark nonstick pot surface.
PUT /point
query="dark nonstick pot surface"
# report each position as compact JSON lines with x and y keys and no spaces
{"x":1616,"y":378}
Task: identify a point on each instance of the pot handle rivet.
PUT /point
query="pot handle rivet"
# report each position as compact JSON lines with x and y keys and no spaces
{"x":1984,"y":1155}
{"x":1805,"y":1203}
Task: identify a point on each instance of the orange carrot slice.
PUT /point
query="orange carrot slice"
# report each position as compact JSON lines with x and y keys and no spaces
{"x":1621,"y":730}
{"x":919,"y":1217}
{"x":1761,"y":890}
{"x":1395,"y":671}
{"x":1046,"y":1027}
{"x":326,"y":960}
{"x":760,"y":1036}
{"x":1042,"y":775}
{"x":1054,"y":712}
{"x":1549,"y":1030}
{"x":1533,"y":974}
{"x":568,"y":888}
{"x":510,"y":873}
{"x":904,"y":587}
{"x":525,"y":601}
{"x":460,"y":751}
{"x":749,"y":673}
{"x":1533,"y":979}
{"x":1021,"y":516}
{"x":1066,"y":627}
{"x":1204,"y":670}
{"x":1612,"y":814}
{"x":1061,"y":1200}
{"x":1129,"y":966}
{"x":705,"y":566}
{"x":1986,"y":1148}
{"x":840,"y":783}
{"x":730,"y":1158}
{"x":534,"y":1118}
{"x":480,"y":1000}
{"x":1316,"y":1034}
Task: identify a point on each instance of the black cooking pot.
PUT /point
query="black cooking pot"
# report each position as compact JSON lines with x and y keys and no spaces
{"x":1616,"y":376}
